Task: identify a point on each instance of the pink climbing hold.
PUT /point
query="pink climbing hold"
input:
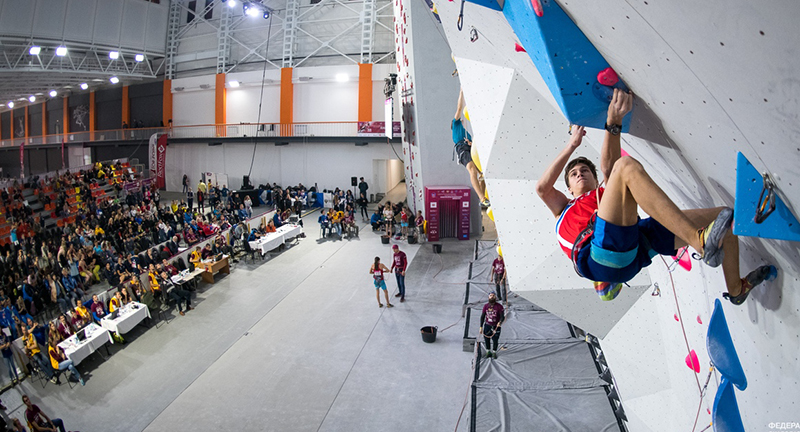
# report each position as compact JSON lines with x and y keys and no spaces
{"x":699,"y":320}
{"x":623,"y":152}
{"x":708,"y":410}
{"x":537,"y":7}
{"x":684,"y":261}
{"x":607,"y":77}
{"x":518,"y":47}
{"x":693,"y":362}
{"x":676,"y":317}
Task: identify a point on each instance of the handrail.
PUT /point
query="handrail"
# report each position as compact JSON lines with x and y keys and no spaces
{"x":211,"y":131}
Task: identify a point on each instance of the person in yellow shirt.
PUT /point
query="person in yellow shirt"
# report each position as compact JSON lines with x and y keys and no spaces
{"x":59,"y":361}
{"x":32,"y":348}
{"x":81,"y":316}
{"x":116,"y":302}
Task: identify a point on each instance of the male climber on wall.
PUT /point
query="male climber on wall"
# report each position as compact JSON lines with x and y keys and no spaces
{"x":463,"y":147}
{"x":600,"y":230}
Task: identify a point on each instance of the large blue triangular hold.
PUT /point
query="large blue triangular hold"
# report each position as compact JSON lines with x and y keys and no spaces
{"x":491,"y":4}
{"x":726,"y":417}
{"x":780,"y":225}
{"x":721,"y":350}
{"x":566,"y":60}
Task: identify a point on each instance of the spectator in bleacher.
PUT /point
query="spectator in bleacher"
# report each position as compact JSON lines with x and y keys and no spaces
{"x":190,"y":199}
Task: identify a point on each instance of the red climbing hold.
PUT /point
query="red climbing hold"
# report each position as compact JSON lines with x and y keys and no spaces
{"x":693,"y":362}
{"x":537,"y":7}
{"x":607,"y":77}
{"x":518,"y":47}
{"x":699,"y":321}
{"x":676,"y":317}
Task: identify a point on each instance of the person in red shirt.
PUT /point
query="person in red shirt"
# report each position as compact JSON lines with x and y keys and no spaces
{"x":38,"y":420}
{"x":599,"y":229}
{"x":498,"y":276}
{"x":492,"y":317}
{"x":400,"y":263}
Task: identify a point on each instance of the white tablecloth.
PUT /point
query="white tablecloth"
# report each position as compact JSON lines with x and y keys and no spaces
{"x":290,"y":231}
{"x":77,"y":351}
{"x":181,"y":278}
{"x":127,"y":319}
{"x":267,"y":243}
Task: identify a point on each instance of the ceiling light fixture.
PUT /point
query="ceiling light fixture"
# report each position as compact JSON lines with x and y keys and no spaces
{"x":53,"y":93}
{"x":10,"y":105}
{"x":231,"y":3}
{"x":255,"y":8}
{"x":139,"y":57}
{"x":113,"y":55}
{"x":84,"y":86}
{"x":35,"y":50}
{"x":32,"y":98}
{"x":61,"y":51}
{"x":233,"y":83}
{"x":114,"y":80}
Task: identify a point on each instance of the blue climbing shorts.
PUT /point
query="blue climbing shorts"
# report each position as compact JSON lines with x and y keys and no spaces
{"x":380,"y":284}
{"x":617,"y":253}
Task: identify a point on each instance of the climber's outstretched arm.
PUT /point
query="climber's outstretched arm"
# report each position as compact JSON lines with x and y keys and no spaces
{"x":460,"y":105}
{"x":621,"y":104}
{"x":556,"y":201}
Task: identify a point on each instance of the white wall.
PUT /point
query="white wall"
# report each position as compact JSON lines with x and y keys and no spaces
{"x":322,"y":98}
{"x":193,"y":105}
{"x":242,"y":102}
{"x":330,"y":165}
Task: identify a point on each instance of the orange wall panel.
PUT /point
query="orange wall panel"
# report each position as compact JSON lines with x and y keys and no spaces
{"x":364,"y":92}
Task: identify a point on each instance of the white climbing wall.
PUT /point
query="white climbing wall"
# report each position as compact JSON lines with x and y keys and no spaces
{"x":711,"y":79}
{"x":428,"y":105}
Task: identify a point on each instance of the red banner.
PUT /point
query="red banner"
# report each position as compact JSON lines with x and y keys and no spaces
{"x":161,"y":162}
{"x":377,"y":129}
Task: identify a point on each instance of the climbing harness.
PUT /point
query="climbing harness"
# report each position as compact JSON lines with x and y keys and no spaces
{"x":763,"y":201}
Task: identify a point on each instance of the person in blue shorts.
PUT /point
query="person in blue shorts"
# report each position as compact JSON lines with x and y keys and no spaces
{"x":376,"y":270}
{"x":463,"y":147}
{"x":599,"y":229}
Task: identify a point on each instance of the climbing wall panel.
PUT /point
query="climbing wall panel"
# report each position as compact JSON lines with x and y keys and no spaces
{"x":703,"y":93}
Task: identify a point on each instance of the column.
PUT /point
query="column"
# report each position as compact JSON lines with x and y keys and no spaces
{"x":365,"y":92}
{"x":220,"y":95}
{"x":126,"y":107}
{"x":93,"y":113}
{"x":166,"y":102}
{"x":287,"y":101}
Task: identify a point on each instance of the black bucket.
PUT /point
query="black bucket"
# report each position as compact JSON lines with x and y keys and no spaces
{"x":385,"y":239}
{"x":429,"y":334}
{"x":437,"y":248}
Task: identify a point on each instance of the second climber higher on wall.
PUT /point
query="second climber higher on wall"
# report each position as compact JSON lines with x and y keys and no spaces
{"x":599,"y":229}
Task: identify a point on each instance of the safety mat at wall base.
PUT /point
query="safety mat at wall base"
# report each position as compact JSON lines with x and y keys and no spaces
{"x":566,"y":410}
{"x":522,"y":323}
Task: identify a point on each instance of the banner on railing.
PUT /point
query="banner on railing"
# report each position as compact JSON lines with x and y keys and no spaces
{"x":158,"y":159}
{"x":377,"y":129}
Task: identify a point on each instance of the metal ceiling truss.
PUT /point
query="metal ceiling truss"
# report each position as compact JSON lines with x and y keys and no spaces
{"x":19,"y":70}
{"x":298,"y":35}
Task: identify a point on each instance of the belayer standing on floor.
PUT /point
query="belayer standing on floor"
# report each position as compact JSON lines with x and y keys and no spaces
{"x":376,"y":270}
{"x":498,"y":276}
{"x":400,"y":263}
{"x":600,"y":230}
{"x":492,"y":317}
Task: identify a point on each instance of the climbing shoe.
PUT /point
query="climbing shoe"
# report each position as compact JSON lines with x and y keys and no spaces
{"x":485,"y":203}
{"x":489,"y":354}
{"x":712,"y":236}
{"x":752,"y":280}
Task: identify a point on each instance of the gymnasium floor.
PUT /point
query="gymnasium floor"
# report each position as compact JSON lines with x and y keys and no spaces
{"x":292,"y":343}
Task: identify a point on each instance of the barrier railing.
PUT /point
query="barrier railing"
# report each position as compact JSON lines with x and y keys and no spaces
{"x":241,"y":130}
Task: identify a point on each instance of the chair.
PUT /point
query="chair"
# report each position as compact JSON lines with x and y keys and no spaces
{"x":180,"y":264}
{"x":250,"y":251}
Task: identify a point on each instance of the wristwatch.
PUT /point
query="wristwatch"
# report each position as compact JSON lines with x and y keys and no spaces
{"x":613,"y":129}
